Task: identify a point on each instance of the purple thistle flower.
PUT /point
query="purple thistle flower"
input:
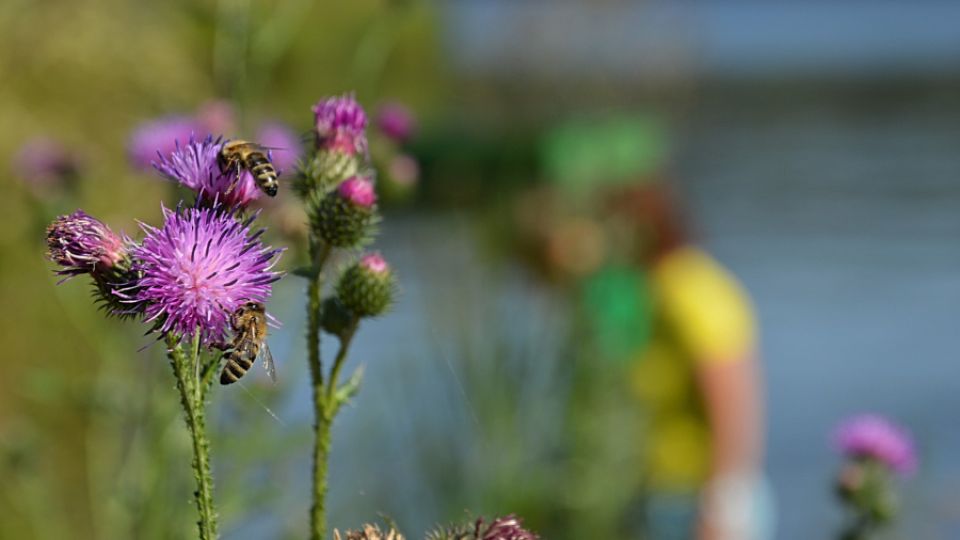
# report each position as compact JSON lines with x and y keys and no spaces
{"x":340,"y":124}
{"x":82,"y":244}
{"x":873,"y":436}
{"x":285,"y":145}
{"x":159,"y":137}
{"x":199,"y":268}
{"x":505,"y":528}
{"x":396,"y":121}
{"x":44,"y":163}
{"x":359,"y":191}
{"x":195,"y":166}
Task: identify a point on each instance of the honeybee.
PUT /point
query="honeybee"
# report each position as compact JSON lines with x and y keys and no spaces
{"x":249,"y":323}
{"x":252,"y":157}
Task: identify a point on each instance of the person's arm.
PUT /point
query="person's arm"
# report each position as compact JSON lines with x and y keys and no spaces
{"x":731,"y":395}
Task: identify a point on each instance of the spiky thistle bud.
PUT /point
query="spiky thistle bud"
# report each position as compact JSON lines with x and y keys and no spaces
{"x":368,"y":287}
{"x":369,"y":532}
{"x":81,"y":244}
{"x":505,"y":528}
{"x":345,"y":218}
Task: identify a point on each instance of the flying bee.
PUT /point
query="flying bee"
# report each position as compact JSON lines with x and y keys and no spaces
{"x":252,"y":157}
{"x":249,"y":323}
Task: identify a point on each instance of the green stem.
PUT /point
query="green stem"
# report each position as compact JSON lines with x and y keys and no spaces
{"x":193,"y":408}
{"x":338,"y":363}
{"x":322,"y":418}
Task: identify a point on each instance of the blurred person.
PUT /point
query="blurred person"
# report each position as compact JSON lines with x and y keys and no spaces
{"x":667,"y":317}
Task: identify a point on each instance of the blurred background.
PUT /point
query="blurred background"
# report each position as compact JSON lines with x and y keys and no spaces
{"x":813,"y":145}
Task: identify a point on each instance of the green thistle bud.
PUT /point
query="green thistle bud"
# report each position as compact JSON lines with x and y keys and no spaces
{"x":345,"y":218}
{"x":323,"y":172}
{"x":368,"y":287}
{"x":336,"y":317}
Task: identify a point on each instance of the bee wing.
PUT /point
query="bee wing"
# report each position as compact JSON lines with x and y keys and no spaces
{"x":268,"y":363}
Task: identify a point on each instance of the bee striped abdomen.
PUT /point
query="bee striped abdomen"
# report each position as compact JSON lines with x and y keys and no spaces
{"x":239,"y":361}
{"x":263,"y":172}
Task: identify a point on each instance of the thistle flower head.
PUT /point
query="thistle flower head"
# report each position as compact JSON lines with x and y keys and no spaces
{"x":340,"y":123}
{"x":159,"y":137}
{"x":396,"y":121}
{"x":505,"y":528}
{"x":873,"y":436}
{"x":368,"y":287}
{"x":358,"y":191}
{"x":369,"y":532}
{"x":82,"y":244}
{"x":44,"y":163}
{"x":285,"y":145}
{"x":198,"y":268}
{"x":195,"y":165}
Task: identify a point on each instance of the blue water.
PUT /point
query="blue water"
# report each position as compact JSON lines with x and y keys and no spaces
{"x":843,"y":223}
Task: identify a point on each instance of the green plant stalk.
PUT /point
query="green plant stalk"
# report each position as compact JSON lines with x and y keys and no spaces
{"x":322,"y":418}
{"x":192,"y":401}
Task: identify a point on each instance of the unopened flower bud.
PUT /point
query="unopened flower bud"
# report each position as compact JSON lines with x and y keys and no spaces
{"x":368,"y":287}
{"x":345,"y":217}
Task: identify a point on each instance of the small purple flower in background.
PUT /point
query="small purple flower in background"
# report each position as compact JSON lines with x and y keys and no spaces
{"x":396,"y":121}
{"x":283,"y":143}
{"x":359,"y":191}
{"x":340,"y":123}
{"x":82,"y":244}
{"x":873,"y":436}
{"x":195,"y":166}
{"x":198,"y":268}
{"x":43,"y":163}
{"x":404,"y":170}
{"x":216,"y":116}
{"x":160,"y":137}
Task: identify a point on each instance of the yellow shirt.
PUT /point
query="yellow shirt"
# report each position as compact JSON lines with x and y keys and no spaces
{"x":702,"y":315}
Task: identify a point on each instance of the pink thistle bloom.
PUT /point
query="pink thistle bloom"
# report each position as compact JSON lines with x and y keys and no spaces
{"x":340,"y":125}
{"x":359,"y":191}
{"x":44,"y":163}
{"x":198,"y":268}
{"x":396,"y":121}
{"x":505,"y":528}
{"x":873,"y":436}
{"x":159,"y":137}
{"x":82,"y":244}
{"x":195,"y":166}
{"x":375,"y":263}
{"x":283,"y":143}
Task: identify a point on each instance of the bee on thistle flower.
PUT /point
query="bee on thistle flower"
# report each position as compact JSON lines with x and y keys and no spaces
{"x":196,"y":165}
{"x":199,"y":268}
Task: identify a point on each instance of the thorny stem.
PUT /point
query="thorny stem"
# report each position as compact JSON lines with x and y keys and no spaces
{"x":322,"y":417}
{"x":193,"y":408}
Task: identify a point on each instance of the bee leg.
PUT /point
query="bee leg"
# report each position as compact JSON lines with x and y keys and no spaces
{"x":220,"y":346}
